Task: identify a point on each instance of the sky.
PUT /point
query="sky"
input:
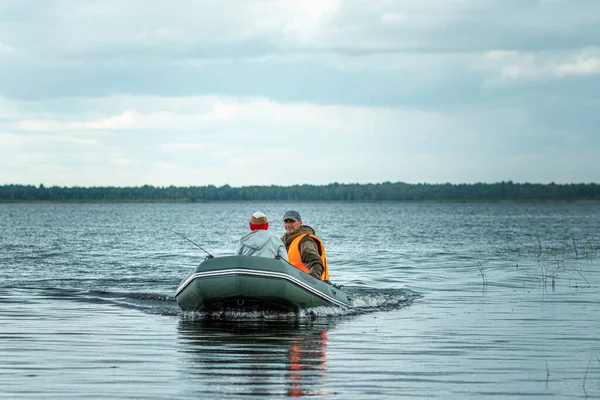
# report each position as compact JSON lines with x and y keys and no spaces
{"x":269,"y":92}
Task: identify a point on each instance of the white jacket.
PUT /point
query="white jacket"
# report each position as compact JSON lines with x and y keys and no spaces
{"x":262,"y":244}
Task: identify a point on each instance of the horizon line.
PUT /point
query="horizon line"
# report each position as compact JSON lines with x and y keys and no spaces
{"x":41,"y":185}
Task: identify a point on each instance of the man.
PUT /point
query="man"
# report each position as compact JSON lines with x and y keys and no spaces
{"x":305,"y":250}
{"x":259,"y":242}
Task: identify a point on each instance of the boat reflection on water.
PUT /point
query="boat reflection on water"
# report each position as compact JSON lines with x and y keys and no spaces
{"x":255,"y":357}
{"x":313,"y":349}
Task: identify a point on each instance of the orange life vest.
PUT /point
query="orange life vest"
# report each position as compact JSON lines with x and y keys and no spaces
{"x":296,"y":260}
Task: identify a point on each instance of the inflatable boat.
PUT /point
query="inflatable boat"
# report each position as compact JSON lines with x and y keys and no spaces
{"x":255,"y":283}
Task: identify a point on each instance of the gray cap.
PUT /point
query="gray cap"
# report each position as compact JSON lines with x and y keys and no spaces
{"x":292,"y":214}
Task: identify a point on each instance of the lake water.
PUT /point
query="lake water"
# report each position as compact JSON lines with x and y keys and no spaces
{"x":453,"y":301}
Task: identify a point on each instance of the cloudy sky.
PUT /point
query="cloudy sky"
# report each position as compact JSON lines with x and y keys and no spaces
{"x":260,"y":92}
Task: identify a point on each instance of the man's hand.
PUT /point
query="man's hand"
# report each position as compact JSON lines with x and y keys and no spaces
{"x":316,"y":271}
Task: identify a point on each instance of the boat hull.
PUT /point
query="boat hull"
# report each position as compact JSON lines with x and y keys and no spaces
{"x":255,"y":283}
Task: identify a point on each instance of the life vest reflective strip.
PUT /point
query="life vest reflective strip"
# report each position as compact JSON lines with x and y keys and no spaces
{"x":296,"y":260}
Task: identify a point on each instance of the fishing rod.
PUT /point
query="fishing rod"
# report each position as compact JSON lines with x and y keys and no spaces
{"x":189,"y":240}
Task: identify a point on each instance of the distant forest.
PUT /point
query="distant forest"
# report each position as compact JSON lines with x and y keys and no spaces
{"x":386,"y":191}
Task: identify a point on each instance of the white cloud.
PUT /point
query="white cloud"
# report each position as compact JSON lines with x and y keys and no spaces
{"x":394,"y":18}
{"x":122,"y":161}
{"x":244,"y":120}
{"x":8,"y":109}
{"x":246,"y":141}
{"x":234,"y":140}
{"x":190,"y":146}
{"x":239,"y":92}
{"x":187,"y":29}
{"x":23,"y":141}
{"x":511,"y":65}
{"x":4,"y":48}
{"x":584,"y":65}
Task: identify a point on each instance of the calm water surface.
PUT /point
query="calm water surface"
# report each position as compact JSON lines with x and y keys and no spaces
{"x":453,"y":301}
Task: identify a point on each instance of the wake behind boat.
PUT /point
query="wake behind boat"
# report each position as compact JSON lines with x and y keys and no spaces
{"x":255,"y":283}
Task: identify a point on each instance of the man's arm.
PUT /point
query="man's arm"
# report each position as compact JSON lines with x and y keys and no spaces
{"x":309,"y":252}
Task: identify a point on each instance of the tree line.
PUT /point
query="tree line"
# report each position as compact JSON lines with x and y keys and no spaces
{"x":386,"y":191}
